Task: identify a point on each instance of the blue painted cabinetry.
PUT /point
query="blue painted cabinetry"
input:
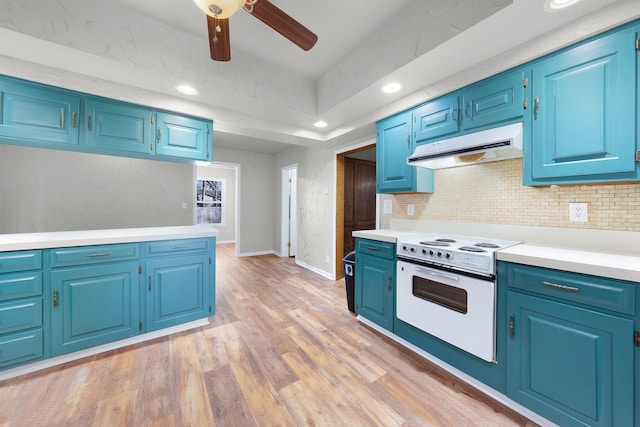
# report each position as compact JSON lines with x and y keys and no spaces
{"x":436,"y":119}
{"x":393,"y":146}
{"x":495,"y":100}
{"x":375,"y":281}
{"x":184,"y":137}
{"x":21,"y":308}
{"x":38,"y":114}
{"x":62,"y":300}
{"x":179,"y":282}
{"x":44,"y":116}
{"x":570,"y":347}
{"x":584,"y":113}
{"x":94,"y":295}
{"x":116,"y":126}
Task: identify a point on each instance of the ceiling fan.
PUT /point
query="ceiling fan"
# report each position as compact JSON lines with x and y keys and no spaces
{"x":219,"y":11}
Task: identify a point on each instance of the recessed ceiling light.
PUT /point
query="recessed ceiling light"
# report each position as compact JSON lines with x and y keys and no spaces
{"x":320,"y":124}
{"x":556,"y":5}
{"x":187,"y":90}
{"x":391,"y":88}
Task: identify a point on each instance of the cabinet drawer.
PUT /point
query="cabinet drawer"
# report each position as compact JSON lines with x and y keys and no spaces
{"x":63,"y":257}
{"x":21,"y":314}
{"x":20,"y":285}
{"x":375,"y":248}
{"x":20,"y":347}
{"x":176,"y":246}
{"x":20,"y":261}
{"x":599,"y":292}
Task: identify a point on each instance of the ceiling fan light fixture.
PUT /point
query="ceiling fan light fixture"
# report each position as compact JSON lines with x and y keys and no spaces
{"x":220,"y":9}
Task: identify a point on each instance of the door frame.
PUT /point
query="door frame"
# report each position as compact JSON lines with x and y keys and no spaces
{"x":284,"y":209}
{"x":338,"y":206}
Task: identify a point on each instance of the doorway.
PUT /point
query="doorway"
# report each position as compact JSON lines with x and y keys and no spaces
{"x":356,"y":201}
{"x":289,"y":211}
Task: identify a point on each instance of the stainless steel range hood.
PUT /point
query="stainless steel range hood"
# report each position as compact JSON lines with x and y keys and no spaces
{"x":500,"y":143}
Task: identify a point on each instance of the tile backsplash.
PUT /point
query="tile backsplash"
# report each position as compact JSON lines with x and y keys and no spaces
{"x":493,"y":193}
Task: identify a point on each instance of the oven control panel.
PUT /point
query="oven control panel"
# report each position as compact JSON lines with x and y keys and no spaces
{"x":482,"y":263}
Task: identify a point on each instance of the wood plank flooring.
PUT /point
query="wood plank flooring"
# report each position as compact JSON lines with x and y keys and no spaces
{"x":282,"y":350}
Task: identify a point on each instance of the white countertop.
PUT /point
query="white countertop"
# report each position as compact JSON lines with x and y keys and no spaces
{"x":615,"y":266}
{"x":390,"y":236}
{"x":58,"y":239}
{"x":624,"y":266}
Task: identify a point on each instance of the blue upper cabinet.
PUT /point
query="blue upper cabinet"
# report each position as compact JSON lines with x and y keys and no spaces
{"x":180,"y":136}
{"x":117,"y":126}
{"x":43,"y":116}
{"x":33,"y":113}
{"x":435,"y":119}
{"x":584,"y":112}
{"x":393,"y":146}
{"x":495,"y":100}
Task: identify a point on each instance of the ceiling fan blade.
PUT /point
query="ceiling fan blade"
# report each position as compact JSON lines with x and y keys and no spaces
{"x":219,"y":43}
{"x":271,"y":15}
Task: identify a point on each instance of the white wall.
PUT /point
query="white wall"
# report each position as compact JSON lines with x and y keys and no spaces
{"x":228,"y":175}
{"x":50,"y":190}
{"x":257,"y":191}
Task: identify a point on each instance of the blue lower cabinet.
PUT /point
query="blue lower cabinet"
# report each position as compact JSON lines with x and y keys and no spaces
{"x":375,"y":281}
{"x":21,"y":347}
{"x":177,"y":290}
{"x":94,"y":305}
{"x":572,"y":365}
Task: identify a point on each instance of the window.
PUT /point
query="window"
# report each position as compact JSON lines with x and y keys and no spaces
{"x":209,"y":194}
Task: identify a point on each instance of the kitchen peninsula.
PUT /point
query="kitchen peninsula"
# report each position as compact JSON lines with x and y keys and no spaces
{"x":66,"y":295}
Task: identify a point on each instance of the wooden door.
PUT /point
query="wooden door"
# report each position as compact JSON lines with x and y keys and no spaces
{"x":359,"y":199}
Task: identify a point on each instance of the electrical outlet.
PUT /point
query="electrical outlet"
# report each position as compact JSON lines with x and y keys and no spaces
{"x":326,"y":259}
{"x":184,"y":205}
{"x":578,"y":212}
{"x":410,"y":209}
{"x":388,"y":207}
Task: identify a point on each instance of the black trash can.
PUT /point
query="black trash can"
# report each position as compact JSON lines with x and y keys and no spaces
{"x":349,"y":262}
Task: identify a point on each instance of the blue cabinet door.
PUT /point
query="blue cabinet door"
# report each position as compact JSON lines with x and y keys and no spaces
{"x":121,"y":127}
{"x":185,"y":137}
{"x":32,"y":113}
{"x":94,"y":305}
{"x":436,"y":119}
{"x":393,"y":146}
{"x":374,"y":289}
{"x":584,"y":112}
{"x":177,"y":290}
{"x":493,"y":101}
{"x":571,"y":365}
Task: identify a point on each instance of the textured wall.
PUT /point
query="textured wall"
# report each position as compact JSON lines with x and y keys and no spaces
{"x":493,"y":193}
{"x":49,"y":190}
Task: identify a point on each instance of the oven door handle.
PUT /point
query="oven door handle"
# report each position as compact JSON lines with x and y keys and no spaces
{"x":437,"y":274}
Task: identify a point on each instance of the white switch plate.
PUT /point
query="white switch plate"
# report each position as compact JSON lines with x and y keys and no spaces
{"x":578,"y":212}
{"x":184,"y":205}
{"x":410,"y":209}
{"x":388,"y":207}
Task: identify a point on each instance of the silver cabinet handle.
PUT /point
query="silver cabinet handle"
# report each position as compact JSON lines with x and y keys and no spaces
{"x":89,"y":123}
{"x":180,"y":247}
{"x":62,"y":117}
{"x":98,"y":255}
{"x":536,"y":109}
{"x":565,"y":287}
{"x":73,"y":119}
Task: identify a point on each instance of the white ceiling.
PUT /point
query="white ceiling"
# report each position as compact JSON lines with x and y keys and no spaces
{"x":271,"y":92}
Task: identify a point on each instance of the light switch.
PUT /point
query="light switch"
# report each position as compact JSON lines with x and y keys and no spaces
{"x":388,"y":207}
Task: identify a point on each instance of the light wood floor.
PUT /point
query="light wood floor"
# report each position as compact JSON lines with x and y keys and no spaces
{"x":282,"y":350}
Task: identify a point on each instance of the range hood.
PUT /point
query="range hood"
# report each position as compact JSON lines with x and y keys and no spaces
{"x":500,"y":143}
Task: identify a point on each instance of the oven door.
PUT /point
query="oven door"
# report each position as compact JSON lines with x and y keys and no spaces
{"x":454,"y":307}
